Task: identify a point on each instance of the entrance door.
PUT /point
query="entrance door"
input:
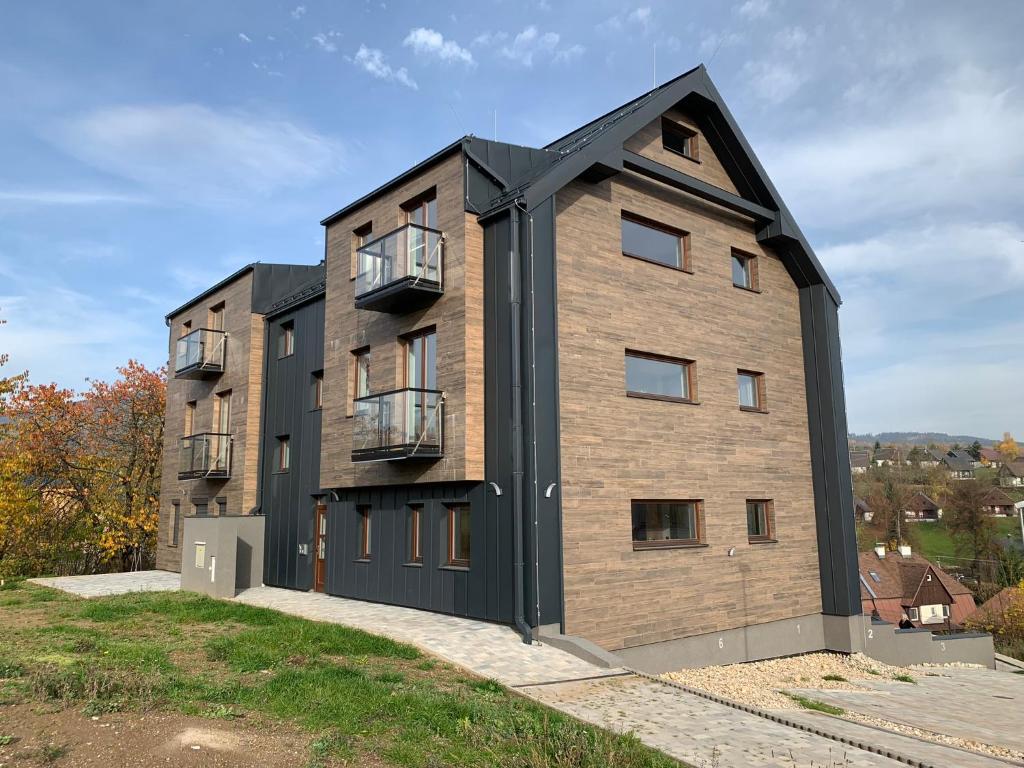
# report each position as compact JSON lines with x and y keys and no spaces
{"x":320,"y":549}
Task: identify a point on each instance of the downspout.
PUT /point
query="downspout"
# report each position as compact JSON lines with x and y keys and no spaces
{"x":516,"y":306}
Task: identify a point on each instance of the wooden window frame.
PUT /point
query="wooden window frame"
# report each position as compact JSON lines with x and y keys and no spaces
{"x":452,"y":561}
{"x":215,"y":317}
{"x":222,"y":506}
{"x":286,"y":341}
{"x":690,"y":136}
{"x":200,"y":502}
{"x":751,"y":261}
{"x":415,"y":534}
{"x":283,"y":455}
{"x":769,"y":523}
{"x":361,"y":235}
{"x":172,"y":536}
{"x":406,"y":341}
{"x":698,"y":514}
{"x":220,"y":400}
{"x":191,"y":407}
{"x":684,"y":241}
{"x":186,"y":329}
{"x":353,"y":377}
{"x":691,"y":378}
{"x":761,"y":389}
{"x":365,"y":533}
{"x":421,"y":202}
{"x":318,"y":390}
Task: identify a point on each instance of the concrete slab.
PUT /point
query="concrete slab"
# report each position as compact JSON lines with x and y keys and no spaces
{"x":107,"y":584}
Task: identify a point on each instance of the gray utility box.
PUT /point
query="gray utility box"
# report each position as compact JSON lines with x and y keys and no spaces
{"x":222,"y":555}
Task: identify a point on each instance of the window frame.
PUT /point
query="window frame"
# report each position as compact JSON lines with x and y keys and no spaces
{"x":690,"y":138}
{"x":222,"y":506}
{"x":760,"y":390}
{"x":689,"y":367}
{"x":283,"y":455}
{"x":770,"y":536}
{"x":286,"y":340}
{"x":365,"y":533}
{"x":361,"y":235}
{"x":914,"y":613}
{"x":451,"y":561}
{"x":186,"y":328}
{"x":191,"y":407}
{"x":173,"y":536}
{"x":221,"y":422}
{"x":318,"y":390}
{"x":215,"y":317}
{"x":685,"y":256}
{"x":415,"y":548}
{"x":698,"y":524}
{"x":752,"y":271}
{"x":421,"y":202}
{"x":408,"y":341}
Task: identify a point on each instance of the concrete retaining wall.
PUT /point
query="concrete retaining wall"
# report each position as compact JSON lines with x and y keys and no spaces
{"x":222,"y":555}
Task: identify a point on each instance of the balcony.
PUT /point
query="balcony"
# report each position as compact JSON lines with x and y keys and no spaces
{"x":403,"y":424}
{"x":204,"y":456}
{"x":401,"y":271}
{"x":200,"y":354}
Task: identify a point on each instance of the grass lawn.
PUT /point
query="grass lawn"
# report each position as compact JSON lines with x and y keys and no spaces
{"x":363,"y":699}
{"x":935,"y":540}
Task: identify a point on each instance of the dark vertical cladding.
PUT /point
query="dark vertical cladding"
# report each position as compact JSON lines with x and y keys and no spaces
{"x":481,"y":591}
{"x":830,"y":458}
{"x":539,"y":399}
{"x":286,"y":498}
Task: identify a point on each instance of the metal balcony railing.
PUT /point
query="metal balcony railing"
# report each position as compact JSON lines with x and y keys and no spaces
{"x":400,"y":271}
{"x":206,"y":455}
{"x":402,"y":424}
{"x":200,"y":353}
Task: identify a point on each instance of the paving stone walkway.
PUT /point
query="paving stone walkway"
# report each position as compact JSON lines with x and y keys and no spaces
{"x":106,"y":584}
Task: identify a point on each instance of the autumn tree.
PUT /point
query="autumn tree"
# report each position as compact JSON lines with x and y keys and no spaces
{"x":973,"y":530}
{"x":888,"y":504}
{"x":1008,"y":447}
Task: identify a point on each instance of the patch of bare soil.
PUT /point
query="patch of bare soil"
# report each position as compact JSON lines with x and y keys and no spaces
{"x":68,"y":739}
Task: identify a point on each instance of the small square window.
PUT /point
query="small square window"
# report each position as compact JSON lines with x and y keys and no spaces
{"x":667,"y":523}
{"x":222,"y":506}
{"x":286,"y":340}
{"x":744,"y":270}
{"x":200,"y":507}
{"x":283,"y":454}
{"x":760,"y":520}
{"x":751,"y":391}
{"x":913,"y":614}
{"x":458,"y":535}
{"x":679,"y":139}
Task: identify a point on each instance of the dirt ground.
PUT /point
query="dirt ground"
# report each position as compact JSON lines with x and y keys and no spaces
{"x":44,"y":736}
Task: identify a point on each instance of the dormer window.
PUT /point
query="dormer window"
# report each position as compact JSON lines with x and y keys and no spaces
{"x":679,"y":139}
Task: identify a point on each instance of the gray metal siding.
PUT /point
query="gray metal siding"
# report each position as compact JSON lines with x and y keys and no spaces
{"x":481,"y":591}
{"x":287,"y":498}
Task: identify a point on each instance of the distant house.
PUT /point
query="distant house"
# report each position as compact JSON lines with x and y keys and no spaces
{"x":920,"y":508}
{"x":895,"y":587}
{"x":862,"y":510}
{"x":996,"y":502}
{"x":860,"y":461}
{"x":1011,"y":474}
{"x":887,"y":457}
{"x":990,"y":457}
{"x":959,"y":464}
{"x":991,"y":613}
{"x":933,"y":457}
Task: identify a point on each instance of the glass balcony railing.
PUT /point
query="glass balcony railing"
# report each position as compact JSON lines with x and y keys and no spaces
{"x":401,"y":271}
{"x":207,"y":455}
{"x":200,"y":353}
{"x":403,"y":424}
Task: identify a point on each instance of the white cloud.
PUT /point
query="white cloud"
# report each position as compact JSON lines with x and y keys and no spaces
{"x":428,"y":42}
{"x":568,"y":54}
{"x":792,"y":38}
{"x":773,"y":81}
{"x":754,"y":9}
{"x":531,"y":43}
{"x":298,"y":12}
{"x":244,"y":37}
{"x":326,"y":40}
{"x":191,"y":153}
{"x":711,"y":42}
{"x":489,"y":38}
{"x":372,"y":60}
{"x":67,"y":197}
{"x":641,"y":16}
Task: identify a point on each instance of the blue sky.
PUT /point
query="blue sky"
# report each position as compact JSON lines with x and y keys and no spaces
{"x":148,"y":149}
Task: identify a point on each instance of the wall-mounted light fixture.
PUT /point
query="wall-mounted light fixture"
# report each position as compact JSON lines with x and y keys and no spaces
{"x":496,"y":488}
{"x":731,"y":552}
{"x":549,"y":490}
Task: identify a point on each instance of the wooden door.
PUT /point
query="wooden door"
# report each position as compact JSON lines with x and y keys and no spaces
{"x":320,"y":549}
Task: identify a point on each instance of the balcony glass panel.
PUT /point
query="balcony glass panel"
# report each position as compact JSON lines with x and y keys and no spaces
{"x":200,"y":351}
{"x":411,"y":253}
{"x":406,"y":423}
{"x":204,"y":455}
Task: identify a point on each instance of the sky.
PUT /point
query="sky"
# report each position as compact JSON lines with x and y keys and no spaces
{"x":149,"y":149}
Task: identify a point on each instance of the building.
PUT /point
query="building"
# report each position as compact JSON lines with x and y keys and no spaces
{"x":888,"y":457}
{"x":990,"y":457}
{"x":497,"y":399}
{"x":959,"y":464}
{"x":996,"y":502}
{"x":920,"y":508}
{"x":860,"y":461}
{"x":862,"y":510}
{"x":1011,"y":474}
{"x":899,"y":587}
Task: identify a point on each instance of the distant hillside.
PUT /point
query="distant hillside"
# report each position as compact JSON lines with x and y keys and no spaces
{"x":919,"y":438}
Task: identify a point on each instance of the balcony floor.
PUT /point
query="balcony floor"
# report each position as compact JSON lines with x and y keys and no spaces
{"x":403,"y":295}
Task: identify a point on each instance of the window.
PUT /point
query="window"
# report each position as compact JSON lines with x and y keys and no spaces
{"x":222,"y":412}
{"x":172,"y":534}
{"x":200,"y":507}
{"x":415,"y":528}
{"x":186,"y":328}
{"x":744,"y":270}
{"x":945,"y":611}
{"x":760,"y":520}
{"x":190,"y":418}
{"x":360,"y":237}
{"x":659,"y":378}
{"x":679,"y":139}
{"x":751,"y":390}
{"x":667,"y":523}
{"x":364,"y":532}
{"x":422,"y":210}
{"x":458,"y":535}
{"x":421,"y":359}
{"x":215,"y":317}
{"x":222,"y":506}
{"x":913,"y":614}
{"x":656,"y":243}
{"x":282,"y":455}
{"x":874,"y":577}
{"x":317,"y":395}
{"x":361,"y":373}
{"x":286,"y":340}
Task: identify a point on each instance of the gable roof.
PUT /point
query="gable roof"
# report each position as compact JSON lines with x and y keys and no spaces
{"x":991,"y":454}
{"x":996,"y":497}
{"x":921,"y":502}
{"x":901,"y":577}
{"x":860,"y":458}
{"x":860,"y":504}
{"x":993,"y":609}
{"x":887,"y":454}
{"x":959,"y":460}
{"x":1015,"y":468}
